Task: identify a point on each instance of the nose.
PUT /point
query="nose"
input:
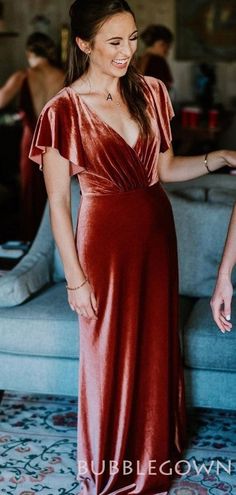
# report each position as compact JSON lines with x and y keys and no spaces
{"x":127,"y":49}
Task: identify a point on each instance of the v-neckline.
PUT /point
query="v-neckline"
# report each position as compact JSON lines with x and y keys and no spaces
{"x":92,"y":111}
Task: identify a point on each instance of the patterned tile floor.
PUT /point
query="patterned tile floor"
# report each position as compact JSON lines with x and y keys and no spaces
{"x":38,"y":448}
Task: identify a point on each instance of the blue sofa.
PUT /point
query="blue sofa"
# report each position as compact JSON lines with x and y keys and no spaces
{"x":39,"y":334}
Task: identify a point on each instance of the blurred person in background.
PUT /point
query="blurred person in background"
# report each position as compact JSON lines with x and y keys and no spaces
{"x":158,"y":40}
{"x":34,"y":86}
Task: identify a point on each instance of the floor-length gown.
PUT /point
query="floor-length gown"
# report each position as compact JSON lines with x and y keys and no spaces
{"x":33,"y":193}
{"x":131,"y":415}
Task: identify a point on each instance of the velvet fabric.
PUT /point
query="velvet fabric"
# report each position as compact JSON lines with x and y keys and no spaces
{"x":33,"y":193}
{"x":131,"y":414}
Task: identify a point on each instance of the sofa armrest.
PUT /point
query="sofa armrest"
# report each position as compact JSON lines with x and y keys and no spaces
{"x":33,"y":271}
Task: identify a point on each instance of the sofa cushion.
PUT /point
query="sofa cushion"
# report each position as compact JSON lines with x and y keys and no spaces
{"x":44,"y":326}
{"x":218,"y":180}
{"x":58,"y":270}
{"x":205,"y":346}
{"x":211,"y":389}
{"x":201,"y":229}
{"x":33,"y":271}
{"x":194,"y":193}
{"x":223,"y":196}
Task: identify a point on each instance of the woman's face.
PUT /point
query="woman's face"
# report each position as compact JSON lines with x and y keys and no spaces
{"x":114,"y":45}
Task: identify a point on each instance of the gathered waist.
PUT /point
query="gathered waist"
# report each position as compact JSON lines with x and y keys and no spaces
{"x":138,"y":190}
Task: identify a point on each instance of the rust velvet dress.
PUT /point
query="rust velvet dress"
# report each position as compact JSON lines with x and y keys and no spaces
{"x":131,"y":414}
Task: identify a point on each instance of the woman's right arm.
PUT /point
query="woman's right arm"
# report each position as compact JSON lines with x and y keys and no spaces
{"x":222,"y":297}
{"x":11,"y":88}
{"x":58,"y":190}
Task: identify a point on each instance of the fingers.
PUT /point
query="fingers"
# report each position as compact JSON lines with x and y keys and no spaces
{"x":226,"y":325}
{"x":85,"y":310}
{"x":221,"y":317}
{"x":227,"y":309}
{"x":222,"y":324}
{"x":215,"y":304}
{"x":225,"y":315}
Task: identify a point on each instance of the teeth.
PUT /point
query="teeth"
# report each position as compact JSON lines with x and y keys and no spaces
{"x":120,"y":61}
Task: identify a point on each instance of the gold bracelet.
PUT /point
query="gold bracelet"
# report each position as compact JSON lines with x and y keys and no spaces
{"x":206,"y":163}
{"x":75,"y":288}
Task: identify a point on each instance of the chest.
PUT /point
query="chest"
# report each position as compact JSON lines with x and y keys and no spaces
{"x":114,"y":115}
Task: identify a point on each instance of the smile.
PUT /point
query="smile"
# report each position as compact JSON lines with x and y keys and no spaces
{"x":120,"y":62}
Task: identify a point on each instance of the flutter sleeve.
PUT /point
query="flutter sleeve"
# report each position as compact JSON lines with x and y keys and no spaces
{"x":164,"y":111}
{"x":58,"y":127}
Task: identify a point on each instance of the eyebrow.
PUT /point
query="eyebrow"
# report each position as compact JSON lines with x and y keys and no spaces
{"x":120,"y":38}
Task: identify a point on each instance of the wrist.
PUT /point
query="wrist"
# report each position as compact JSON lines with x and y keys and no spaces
{"x":218,"y":158}
{"x":224,"y":273}
{"x":74,"y":279}
{"x":77,"y":286}
{"x":215,"y":160}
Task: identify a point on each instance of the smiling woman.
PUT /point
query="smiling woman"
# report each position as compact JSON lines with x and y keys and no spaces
{"x":112,"y":55}
{"x":116,"y":41}
{"x":121,"y":267}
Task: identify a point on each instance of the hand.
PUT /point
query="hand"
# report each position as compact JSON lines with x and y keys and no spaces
{"x":222,"y":296}
{"x":230,"y":158}
{"x":83,"y":301}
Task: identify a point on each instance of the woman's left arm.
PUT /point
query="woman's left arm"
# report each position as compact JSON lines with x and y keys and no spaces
{"x":180,"y":168}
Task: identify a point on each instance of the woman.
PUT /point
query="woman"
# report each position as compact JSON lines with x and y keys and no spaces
{"x":222,"y":297}
{"x":110,"y":127}
{"x":35,"y":86}
{"x":158,"y":40}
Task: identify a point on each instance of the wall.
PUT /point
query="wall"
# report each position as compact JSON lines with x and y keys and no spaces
{"x":20,"y":13}
{"x":163,"y":12}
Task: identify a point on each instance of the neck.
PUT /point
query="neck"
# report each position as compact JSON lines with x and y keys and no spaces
{"x":102,"y":83}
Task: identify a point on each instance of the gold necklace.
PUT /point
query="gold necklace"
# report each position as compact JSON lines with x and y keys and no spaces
{"x":110,"y":98}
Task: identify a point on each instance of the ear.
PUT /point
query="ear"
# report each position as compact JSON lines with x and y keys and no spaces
{"x":83,"y":45}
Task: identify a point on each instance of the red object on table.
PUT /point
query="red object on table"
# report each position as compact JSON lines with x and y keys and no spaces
{"x":213,"y":118}
{"x":184,"y":117}
{"x":190,"y":116}
{"x":194,"y":115}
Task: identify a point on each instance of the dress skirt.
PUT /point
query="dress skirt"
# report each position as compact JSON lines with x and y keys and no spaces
{"x":131,"y":414}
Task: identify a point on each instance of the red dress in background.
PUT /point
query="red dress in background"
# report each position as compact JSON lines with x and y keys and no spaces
{"x":33,"y":193}
{"x":131,"y":405}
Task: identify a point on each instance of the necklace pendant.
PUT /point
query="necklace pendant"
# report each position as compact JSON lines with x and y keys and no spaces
{"x":109,"y":97}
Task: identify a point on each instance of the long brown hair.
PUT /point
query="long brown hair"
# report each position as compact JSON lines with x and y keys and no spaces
{"x":87,"y":16}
